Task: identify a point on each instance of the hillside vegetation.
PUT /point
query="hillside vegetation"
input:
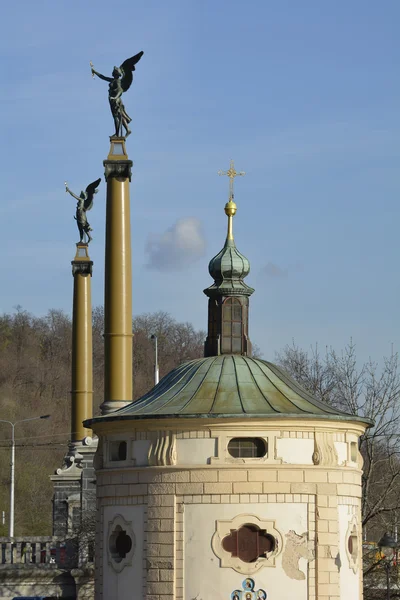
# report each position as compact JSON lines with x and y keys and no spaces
{"x":35,"y":379}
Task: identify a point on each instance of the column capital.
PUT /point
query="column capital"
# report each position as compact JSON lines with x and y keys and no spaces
{"x":117,"y":168}
{"x":82,"y":267}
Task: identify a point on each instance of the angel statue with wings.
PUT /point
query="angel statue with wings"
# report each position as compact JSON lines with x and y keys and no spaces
{"x":120,"y":82}
{"x":85,"y":203}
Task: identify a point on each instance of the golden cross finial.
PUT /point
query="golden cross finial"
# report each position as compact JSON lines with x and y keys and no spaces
{"x":231,"y":173}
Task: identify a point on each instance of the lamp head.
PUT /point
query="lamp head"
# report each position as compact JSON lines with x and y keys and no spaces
{"x":387,"y":545}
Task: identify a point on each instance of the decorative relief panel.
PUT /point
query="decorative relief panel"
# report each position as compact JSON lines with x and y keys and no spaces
{"x":246,"y":543}
{"x":120,"y":543}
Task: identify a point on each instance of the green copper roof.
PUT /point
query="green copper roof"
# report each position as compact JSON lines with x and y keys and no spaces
{"x":228,"y":386}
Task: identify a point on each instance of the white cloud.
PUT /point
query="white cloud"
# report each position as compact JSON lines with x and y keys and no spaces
{"x":276,"y":272}
{"x":176,"y":248}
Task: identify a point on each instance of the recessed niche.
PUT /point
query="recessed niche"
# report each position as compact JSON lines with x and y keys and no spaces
{"x":245,"y":447}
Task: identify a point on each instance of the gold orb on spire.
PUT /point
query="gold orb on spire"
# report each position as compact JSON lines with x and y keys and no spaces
{"x":230,"y":208}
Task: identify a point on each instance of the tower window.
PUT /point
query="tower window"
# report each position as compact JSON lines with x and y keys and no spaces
{"x":232,"y":326}
{"x":118,"y":451}
{"x":247,"y":447}
{"x":353,"y":451}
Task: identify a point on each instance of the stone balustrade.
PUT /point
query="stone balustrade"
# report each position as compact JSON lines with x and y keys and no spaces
{"x":38,"y":551}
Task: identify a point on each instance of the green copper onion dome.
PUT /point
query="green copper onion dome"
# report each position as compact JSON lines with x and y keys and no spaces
{"x":229,"y":267}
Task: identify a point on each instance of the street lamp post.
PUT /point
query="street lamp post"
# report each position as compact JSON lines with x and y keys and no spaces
{"x":156,"y":371}
{"x":12,"y":465}
{"x":387,"y":545}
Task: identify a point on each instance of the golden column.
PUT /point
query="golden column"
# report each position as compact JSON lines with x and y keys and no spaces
{"x":118,"y":281}
{"x":82,"y":361}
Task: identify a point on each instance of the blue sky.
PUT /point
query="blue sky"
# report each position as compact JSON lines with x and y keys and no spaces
{"x":304,"y":96}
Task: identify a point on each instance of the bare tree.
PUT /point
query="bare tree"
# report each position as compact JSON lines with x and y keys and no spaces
{"x":364,"y":390}
{"x":177,"y":343}
{"x":372,"y":392}
{"x":35,"y":378}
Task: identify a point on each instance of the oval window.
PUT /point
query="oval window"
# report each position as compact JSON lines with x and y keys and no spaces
{"x":352,"y":544}
{"x":247,"y":447}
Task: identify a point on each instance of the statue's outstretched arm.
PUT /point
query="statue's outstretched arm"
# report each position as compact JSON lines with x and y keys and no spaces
{"x":72,"y":193}
{"x":103,"y":77}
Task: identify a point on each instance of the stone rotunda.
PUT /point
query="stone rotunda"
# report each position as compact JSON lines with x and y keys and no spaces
{"x":228,"y":481}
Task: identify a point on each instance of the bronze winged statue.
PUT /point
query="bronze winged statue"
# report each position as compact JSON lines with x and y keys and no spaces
{"x":85,"y":203}
{"x":120,"y":82}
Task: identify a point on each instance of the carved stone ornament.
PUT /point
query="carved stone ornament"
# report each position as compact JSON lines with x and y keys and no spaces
{"x":296,"y":547}
{"x":82,"y":267}
{"x":162,"y":451}
{"x":352,"y":544}
{"x":71,"y":461}
{"x":237,"y":543}
{"x":89,"y":441}
{"x":118,"y":168}
{"x":120,"y":543}
{"x":324,"y":449}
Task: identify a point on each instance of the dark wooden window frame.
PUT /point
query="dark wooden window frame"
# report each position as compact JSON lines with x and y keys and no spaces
{"x":247,"y":447}
{"x":249,"y":543}
{"x":231,"y":318}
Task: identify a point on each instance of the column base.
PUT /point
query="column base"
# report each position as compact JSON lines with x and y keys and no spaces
{"x":74,"y":487}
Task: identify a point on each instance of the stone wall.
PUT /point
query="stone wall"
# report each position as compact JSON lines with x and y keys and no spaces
{"x":309,"y":507}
